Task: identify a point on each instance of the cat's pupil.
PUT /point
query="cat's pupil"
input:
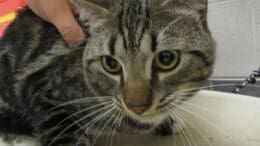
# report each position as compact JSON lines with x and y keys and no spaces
{"x":111,"y":62}
{"x":166,"y":57}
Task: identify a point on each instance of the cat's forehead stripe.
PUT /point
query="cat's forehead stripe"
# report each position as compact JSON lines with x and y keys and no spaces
{"x":154,"y":42}
{"x":133,"y":22}
{"x":111,"y":45}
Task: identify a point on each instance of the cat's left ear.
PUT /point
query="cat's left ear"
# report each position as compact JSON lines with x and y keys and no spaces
{"x":199,"y":6}
{"x":91,"y":13}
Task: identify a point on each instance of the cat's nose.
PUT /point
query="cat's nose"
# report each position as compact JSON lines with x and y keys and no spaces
{"x":137,"y":95}
{"x":138,"y":109}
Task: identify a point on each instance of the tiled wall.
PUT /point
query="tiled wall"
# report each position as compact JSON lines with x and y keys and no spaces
{"x":235,"y":24}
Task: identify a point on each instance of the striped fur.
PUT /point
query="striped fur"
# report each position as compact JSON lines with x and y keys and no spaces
{"x":39,"y":73}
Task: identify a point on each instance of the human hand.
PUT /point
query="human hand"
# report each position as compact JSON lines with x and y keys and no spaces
{"x":61,"y":14}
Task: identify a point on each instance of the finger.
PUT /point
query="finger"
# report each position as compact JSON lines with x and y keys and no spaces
{"x":67,"y":25}
{"x":59,"y":13}
{"x":73,"y":8}
{"x":71,"y":32}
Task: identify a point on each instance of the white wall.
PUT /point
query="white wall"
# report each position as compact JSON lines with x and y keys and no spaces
{"x":235,"y":24}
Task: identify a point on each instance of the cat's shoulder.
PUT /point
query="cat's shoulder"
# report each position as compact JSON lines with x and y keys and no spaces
{"x":27,"y":38}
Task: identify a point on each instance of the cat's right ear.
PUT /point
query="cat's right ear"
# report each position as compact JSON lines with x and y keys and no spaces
{"x":91,"y":13}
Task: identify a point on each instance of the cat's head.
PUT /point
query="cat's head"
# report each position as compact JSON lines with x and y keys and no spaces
{"x":147,"y":54}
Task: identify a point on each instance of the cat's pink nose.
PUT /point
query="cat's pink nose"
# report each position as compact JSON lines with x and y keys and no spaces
{"x":138,"y":109}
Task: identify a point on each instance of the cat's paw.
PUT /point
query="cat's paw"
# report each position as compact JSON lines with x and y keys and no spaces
{"x":19,"y":141}
{"x":26,"y":141}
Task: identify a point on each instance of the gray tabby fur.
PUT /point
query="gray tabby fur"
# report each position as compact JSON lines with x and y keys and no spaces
{"x":43,"y":82}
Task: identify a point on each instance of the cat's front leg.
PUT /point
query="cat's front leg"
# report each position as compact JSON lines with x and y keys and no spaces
{"x":56,"y":130}
{"x":14,"y":123}
{"x":53,"y":138}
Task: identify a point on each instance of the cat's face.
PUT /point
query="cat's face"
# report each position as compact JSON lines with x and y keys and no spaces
{"x":148,"y":56}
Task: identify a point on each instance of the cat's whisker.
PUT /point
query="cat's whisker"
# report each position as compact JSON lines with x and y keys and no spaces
{"x":82,"y":100}
{"x":116,"y":126}
{"x":185,"y":130}
{"x":199,"y":116}
{"x":186,"y":91}
{"x":127,"y":124}
{"x":188,"y":133}
{"x":79,"y":120}
{"x":80,"y":139}
{"x":190,"y":125}
{"x":179,"y":120}
{"x":172,"y":129}
{"x":84,"y":110}
{"x":173,"y":98}
{"x":94,"y":121}
{"x":91,"y":122}
{"x":203,"y":87}
{"x":195,"y":105}
{"x":186,"y":137}
{"x":103,"y":127}
{"x":179,"y":98}
{"x":178,"y":125}
{"x":210,"y":86}
{"x":112,"y":128}
{"x":181,"y":94}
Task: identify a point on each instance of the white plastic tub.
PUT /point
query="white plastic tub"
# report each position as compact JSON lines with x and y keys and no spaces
{"x":217,"y":119}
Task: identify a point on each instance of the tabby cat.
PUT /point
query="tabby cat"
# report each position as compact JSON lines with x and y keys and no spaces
{"x":141,"y":57}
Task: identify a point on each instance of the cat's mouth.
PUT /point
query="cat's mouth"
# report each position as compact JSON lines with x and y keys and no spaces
{"x":151,"y":114}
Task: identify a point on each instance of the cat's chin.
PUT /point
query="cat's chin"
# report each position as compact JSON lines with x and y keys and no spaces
{"x":141,"y":124}
{"x":149,"y":118}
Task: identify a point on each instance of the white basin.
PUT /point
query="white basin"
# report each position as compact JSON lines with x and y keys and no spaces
{"x":218,"y":119}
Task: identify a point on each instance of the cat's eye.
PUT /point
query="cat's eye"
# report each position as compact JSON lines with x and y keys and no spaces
{"x":111,"y":65}
{"x":166,"y":60}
